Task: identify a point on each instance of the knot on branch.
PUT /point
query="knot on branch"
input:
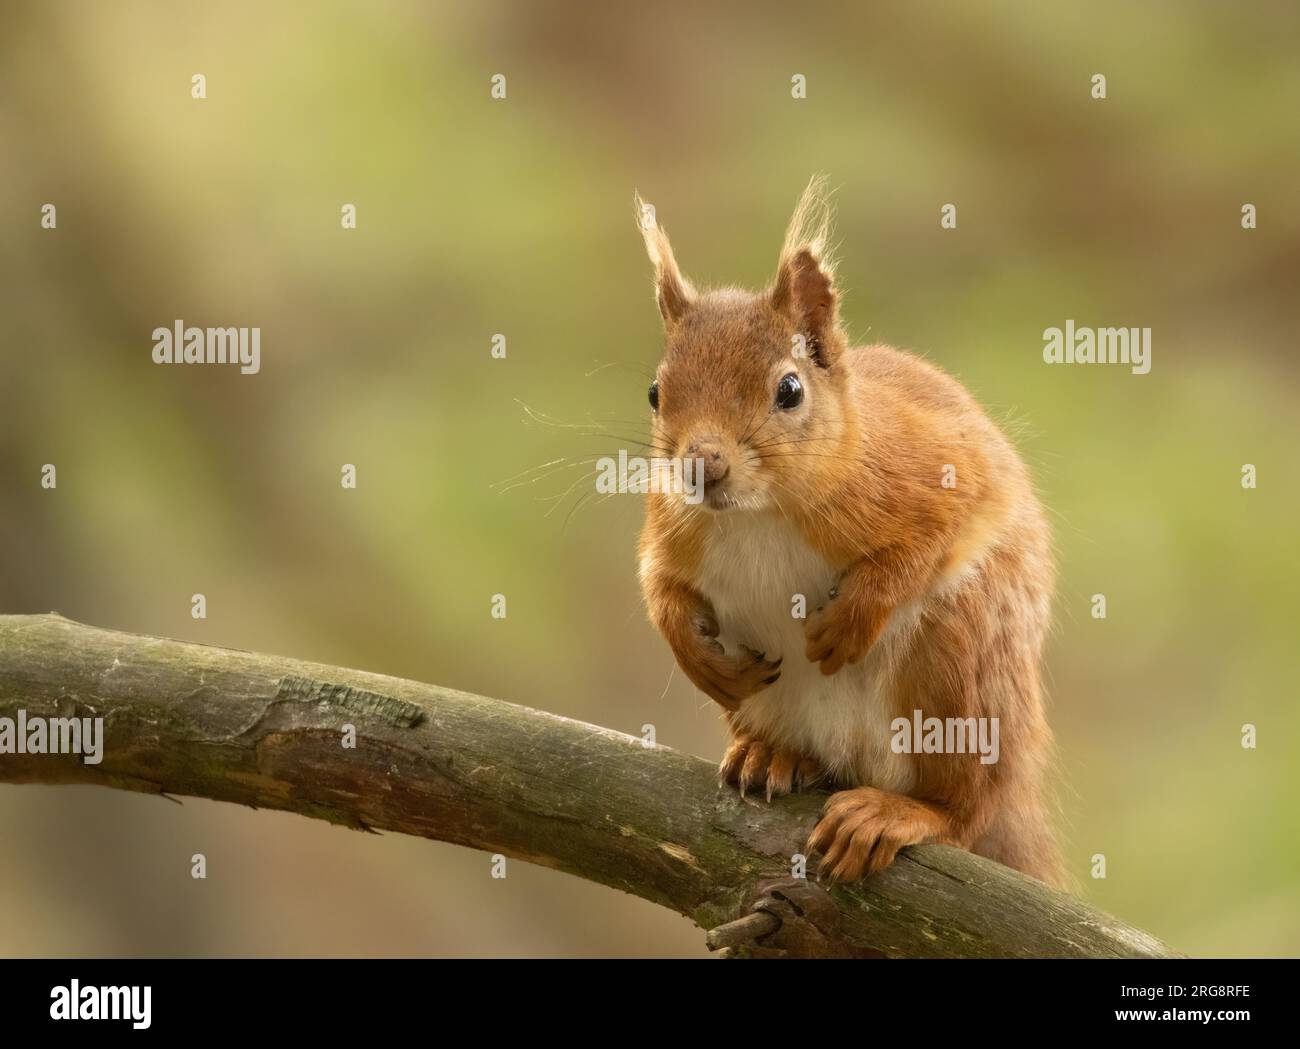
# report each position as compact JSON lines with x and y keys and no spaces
{"x":785,"y":918}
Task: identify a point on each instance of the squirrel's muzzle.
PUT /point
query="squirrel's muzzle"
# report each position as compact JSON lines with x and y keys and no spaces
{"x":708,"y":450}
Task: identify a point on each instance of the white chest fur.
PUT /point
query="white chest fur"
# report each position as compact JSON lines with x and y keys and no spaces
{"x":753,"y":567}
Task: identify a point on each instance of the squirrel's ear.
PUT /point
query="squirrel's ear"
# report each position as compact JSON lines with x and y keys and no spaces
{"x":805,"y":276}
{"x":673,"y":291}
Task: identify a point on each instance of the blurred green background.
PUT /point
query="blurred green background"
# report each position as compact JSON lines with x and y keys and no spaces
{"x":477,"y":217}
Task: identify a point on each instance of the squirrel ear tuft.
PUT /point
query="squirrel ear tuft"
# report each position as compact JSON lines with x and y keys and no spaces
{"x":805,"y":277}
{"x":672,"y":291}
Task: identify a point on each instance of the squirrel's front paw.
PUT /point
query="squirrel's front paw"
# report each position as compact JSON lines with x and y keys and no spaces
{"x":861,"y":831}
{"x":751,"y":763}
{"x":728,"y":679}
{"x":842,"y":631}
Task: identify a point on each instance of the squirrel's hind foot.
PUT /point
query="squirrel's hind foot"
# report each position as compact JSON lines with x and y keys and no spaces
{"x":750,"y":763}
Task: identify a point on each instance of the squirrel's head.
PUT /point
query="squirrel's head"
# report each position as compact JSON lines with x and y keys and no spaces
{"x":751,"y":384}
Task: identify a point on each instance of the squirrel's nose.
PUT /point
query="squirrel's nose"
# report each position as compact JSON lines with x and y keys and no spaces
{"x":709,"y":451}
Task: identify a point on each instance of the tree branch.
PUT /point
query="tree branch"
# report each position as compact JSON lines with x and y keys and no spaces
{"x":264,"y":731}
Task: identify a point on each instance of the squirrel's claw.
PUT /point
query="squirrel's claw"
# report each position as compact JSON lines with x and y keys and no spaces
{"x":750,"y":763}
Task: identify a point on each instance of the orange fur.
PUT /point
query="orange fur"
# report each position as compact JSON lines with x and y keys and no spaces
{"x":941,"y":593}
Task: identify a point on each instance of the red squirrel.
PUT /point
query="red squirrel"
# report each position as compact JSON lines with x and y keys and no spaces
{"x":869,"y":484}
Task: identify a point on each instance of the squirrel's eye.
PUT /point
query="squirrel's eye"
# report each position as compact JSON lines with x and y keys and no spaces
{"x":789,"y":392}
{"x":654,"y":395}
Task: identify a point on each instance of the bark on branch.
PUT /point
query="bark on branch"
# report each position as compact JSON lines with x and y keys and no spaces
{"x":264,"y":731}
